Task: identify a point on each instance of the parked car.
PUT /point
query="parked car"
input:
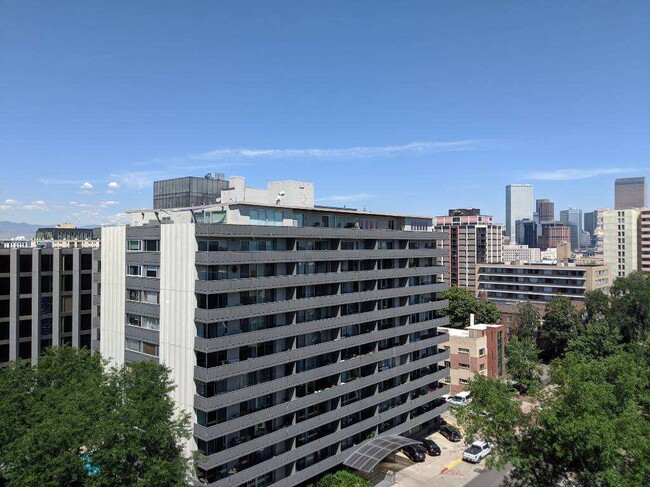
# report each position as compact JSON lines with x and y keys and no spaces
{"x":460,"y":399}
{"x":477,"y":451}
{"x":414,"y":454}
{"x":432,"y":448}
{"x":450,"y":433}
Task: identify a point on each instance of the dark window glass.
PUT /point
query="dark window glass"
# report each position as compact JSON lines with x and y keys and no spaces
{"x":67,"y":262}
{"x":4,"y":264}
{"x":66,"y":283}
{"x":25,"y":350}
{"x":26,"y":285}
{"x":84,"y":341}
{"x":4,"y":331}
{"x":47,"y":263}
{"x":25,"y":328}
{"x":86,"y":282}
{"x":85,"y":301}
{"x":4,"y":353}
{"x":25,"y":306}
{"x":86,"y":262}
{"x":25,"y":264}
{"x":46,"y":284}
{"x":85,"y":321}
{"x":5,"y":286}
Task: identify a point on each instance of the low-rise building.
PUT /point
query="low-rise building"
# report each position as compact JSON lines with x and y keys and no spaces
{"x":477,"y":349}
{"x":504,"y":283}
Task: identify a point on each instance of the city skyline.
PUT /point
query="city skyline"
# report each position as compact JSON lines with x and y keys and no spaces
{"x":379,"y":108}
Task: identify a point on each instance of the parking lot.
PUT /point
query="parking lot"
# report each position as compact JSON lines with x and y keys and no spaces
{"x":446,"y":470}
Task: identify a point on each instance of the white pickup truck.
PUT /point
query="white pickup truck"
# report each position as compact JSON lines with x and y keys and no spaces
{"x":477,"y":451}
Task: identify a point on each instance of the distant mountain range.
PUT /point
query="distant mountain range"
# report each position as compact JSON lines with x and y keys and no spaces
{"x":13,"y":229}
{"x":27,"y":230}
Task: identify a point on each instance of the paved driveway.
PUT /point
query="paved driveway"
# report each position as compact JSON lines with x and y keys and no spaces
{"x":446,"y":470}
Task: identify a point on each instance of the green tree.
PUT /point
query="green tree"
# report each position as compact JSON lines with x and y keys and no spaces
{"x":561,"y":323}
{"x":68,"y":407}
{"x":343,"y":478}
{"x":493,"y":415}
{"x":139,"y":441}
{"x":630,"y":306}
{"x":590,"y":429}
{"x":596,"y":305}
{"x":596,"y":340}
{"x":462,"y":303}
{"x":522,"y":362}
{"x":526,"y":320}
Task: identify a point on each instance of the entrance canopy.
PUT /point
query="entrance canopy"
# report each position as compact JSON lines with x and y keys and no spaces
{"x":368,"y":455}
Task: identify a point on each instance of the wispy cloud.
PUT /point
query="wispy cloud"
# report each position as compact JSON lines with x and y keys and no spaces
{"x":49,"y":181}
{"x":573,"y":174}
{"x":341,"y":198}
{"x":359,"y":152}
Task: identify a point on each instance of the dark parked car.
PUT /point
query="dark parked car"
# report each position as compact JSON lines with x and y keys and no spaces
{"x":450,"y":433}
{"x":414,"y":454}
{"x":433,"y":450}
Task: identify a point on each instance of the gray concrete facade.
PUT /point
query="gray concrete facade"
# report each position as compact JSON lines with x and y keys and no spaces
{"x":45,"y":300}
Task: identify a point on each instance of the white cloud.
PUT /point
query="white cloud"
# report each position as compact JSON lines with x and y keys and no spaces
{"x":38,"y":205}
{"x":86,"y":185}
{"x":113,"y":185}
{"x":104,"y":204}
{"x":348,"y":197}
{"x":574,"y":174}
{"x":360,"y":152}
{"x":10,"y":201}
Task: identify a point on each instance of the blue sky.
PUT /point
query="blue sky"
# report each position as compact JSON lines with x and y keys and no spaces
{"x":402,"y":106}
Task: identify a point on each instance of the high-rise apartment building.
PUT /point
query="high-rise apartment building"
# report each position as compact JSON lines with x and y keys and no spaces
{"x":630,"y":193}
{"x":572,"y":217}
{"x":45,"y":300}
{"x":519,"y":206}
{"x":545,"y":210}
{"x":471,"y":238}
{"x":295,"y":333}
{"x":621,"y":241}
{"x":553,"y":234}
{"x":644,"y":239}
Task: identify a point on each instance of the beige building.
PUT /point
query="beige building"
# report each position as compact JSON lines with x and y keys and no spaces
{"x":539,"y":283}
{"x":621,"y":241}
{"x":477,"y":349}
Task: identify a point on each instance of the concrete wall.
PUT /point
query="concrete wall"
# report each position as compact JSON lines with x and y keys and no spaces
{"x":113,"y":276}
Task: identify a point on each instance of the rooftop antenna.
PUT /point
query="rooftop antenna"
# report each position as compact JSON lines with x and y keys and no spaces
{"x":279,"y":197}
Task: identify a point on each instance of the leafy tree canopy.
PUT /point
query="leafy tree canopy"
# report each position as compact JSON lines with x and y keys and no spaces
{"x":462,"y":303}
{"x":522,"y":362}
{"x":561,"y":322}
{"x":526,"y":320}
{"x":342,"y":478}
{"x":591,"y":426}
{"x":70,"y":421}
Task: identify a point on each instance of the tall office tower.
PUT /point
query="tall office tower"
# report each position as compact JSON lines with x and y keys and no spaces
{"x":594,"y":225}
{"x":573,"y":218}
{"x":553,"y":234}
{"x":472,"y":239}
{"x":630,"y":193}
{"x":295,"y":334}
{"x":545,"y":210}
{"x":644,"y":239}
{"x":188,"y":192}
{"x":45,"y":300}
{"x":519,"y":206}
{"x":527,"y":232}
{"x":621,"y":241}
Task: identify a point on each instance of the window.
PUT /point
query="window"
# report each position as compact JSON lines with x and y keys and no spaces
{"x":212,"y":245}
{"x":481,"y":367}
{"x":463,"y":366}
{"x":132,"y":344}
{"x":152,"y":245}
{"x":481,"y":352}
{"x":134,"y":245}
{"x":151,"y":271}
{"x":266,"y":217}
{"x":463,"y":381}
{"x":133,"y":270}
{"x":150,"y":349}
{"x":463,"y":350}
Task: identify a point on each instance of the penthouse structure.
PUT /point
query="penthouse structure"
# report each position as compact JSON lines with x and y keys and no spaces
{"x":45,"y":300}
{"x":295,"y":333}
{"x":472,"y":239}
{"x":630,"y":193}
{"x":553,"y":234}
